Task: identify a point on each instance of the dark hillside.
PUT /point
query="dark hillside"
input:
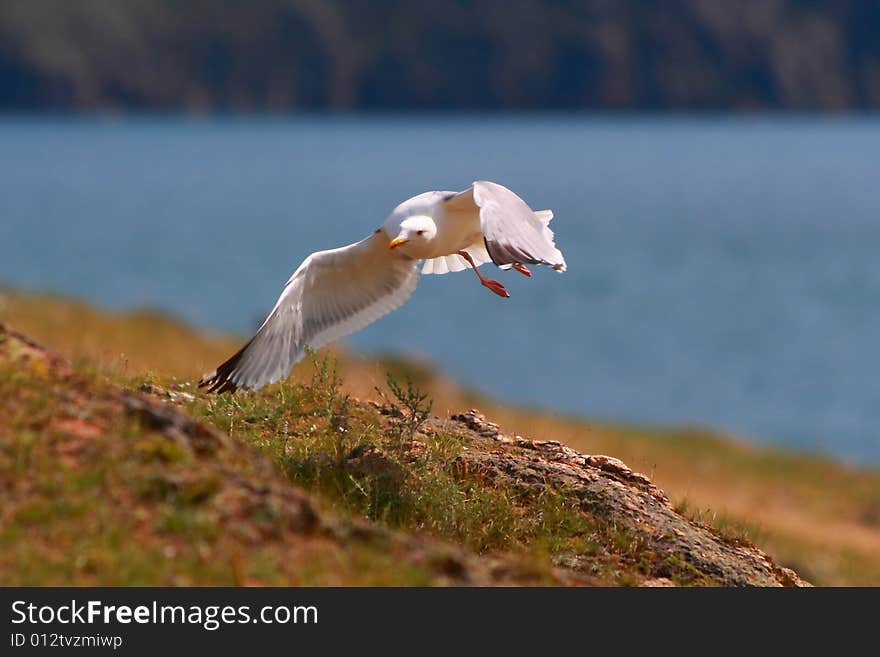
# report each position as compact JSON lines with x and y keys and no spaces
{"x":282,"y":55}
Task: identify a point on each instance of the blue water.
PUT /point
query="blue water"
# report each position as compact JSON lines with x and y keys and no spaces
{"x":722,"y":272}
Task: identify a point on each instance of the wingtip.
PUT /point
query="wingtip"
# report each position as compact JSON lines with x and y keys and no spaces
{"x":219,"y":385}
{"x":221,"y":379}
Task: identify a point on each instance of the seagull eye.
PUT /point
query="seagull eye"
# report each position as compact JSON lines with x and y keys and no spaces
{"x":420,"y":232}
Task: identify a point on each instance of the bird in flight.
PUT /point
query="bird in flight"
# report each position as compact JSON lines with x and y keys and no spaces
{"x":340,"y":291}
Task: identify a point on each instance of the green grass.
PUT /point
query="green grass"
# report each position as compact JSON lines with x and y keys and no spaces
{"x":385,"y":470}
{"x":94,"y":496}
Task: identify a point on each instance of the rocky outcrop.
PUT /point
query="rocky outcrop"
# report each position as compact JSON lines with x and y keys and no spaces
{"x":606,"y":487}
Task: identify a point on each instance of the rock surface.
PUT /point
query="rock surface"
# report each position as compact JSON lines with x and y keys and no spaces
{"x":605,"y":486}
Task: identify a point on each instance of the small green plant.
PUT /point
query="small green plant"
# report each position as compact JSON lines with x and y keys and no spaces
{"x":326,"y":384}
{"x":410,"y":410}
{"x":339,"y":428}
{"x":331,"y":404}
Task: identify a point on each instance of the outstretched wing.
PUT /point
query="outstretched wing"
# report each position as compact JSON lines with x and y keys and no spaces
{"x":331,"y":294}
{"x":513,"y":233}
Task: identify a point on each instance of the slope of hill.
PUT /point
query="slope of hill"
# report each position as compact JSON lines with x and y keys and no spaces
{"x":106,"y":485}
{"x":115,"y":450}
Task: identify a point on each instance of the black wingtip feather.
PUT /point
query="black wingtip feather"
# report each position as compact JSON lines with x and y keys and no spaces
{"x":219,"y":380}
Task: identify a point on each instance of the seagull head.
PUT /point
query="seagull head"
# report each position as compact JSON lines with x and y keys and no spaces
{"x":416,"y":232}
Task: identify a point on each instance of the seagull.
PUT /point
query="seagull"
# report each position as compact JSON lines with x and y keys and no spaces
{"x":340,"y":291}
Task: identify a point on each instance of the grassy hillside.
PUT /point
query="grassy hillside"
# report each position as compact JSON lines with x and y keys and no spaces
{"x":819,"y":517}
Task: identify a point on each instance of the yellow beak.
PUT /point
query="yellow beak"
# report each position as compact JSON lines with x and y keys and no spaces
{"x":397,"y":241}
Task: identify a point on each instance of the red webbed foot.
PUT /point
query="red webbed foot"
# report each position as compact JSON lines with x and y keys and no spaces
{"x":497,"y":288}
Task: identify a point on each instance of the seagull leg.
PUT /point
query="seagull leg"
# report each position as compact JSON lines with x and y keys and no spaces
{"x":495,"y":286}
{"x":522,"y":269}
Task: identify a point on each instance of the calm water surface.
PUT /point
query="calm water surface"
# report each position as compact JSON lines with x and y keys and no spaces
{"x":721,"y":272}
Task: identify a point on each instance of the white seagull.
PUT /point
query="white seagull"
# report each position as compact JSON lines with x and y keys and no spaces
{"x":336,"y":292}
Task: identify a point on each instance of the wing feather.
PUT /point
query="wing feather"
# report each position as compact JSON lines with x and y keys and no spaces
{"x":331,"y":294}
{"x":454,"y":262}
{"x":512,"y":231}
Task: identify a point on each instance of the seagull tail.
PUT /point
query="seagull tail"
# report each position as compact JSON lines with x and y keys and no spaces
{"x":544,"y":216}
